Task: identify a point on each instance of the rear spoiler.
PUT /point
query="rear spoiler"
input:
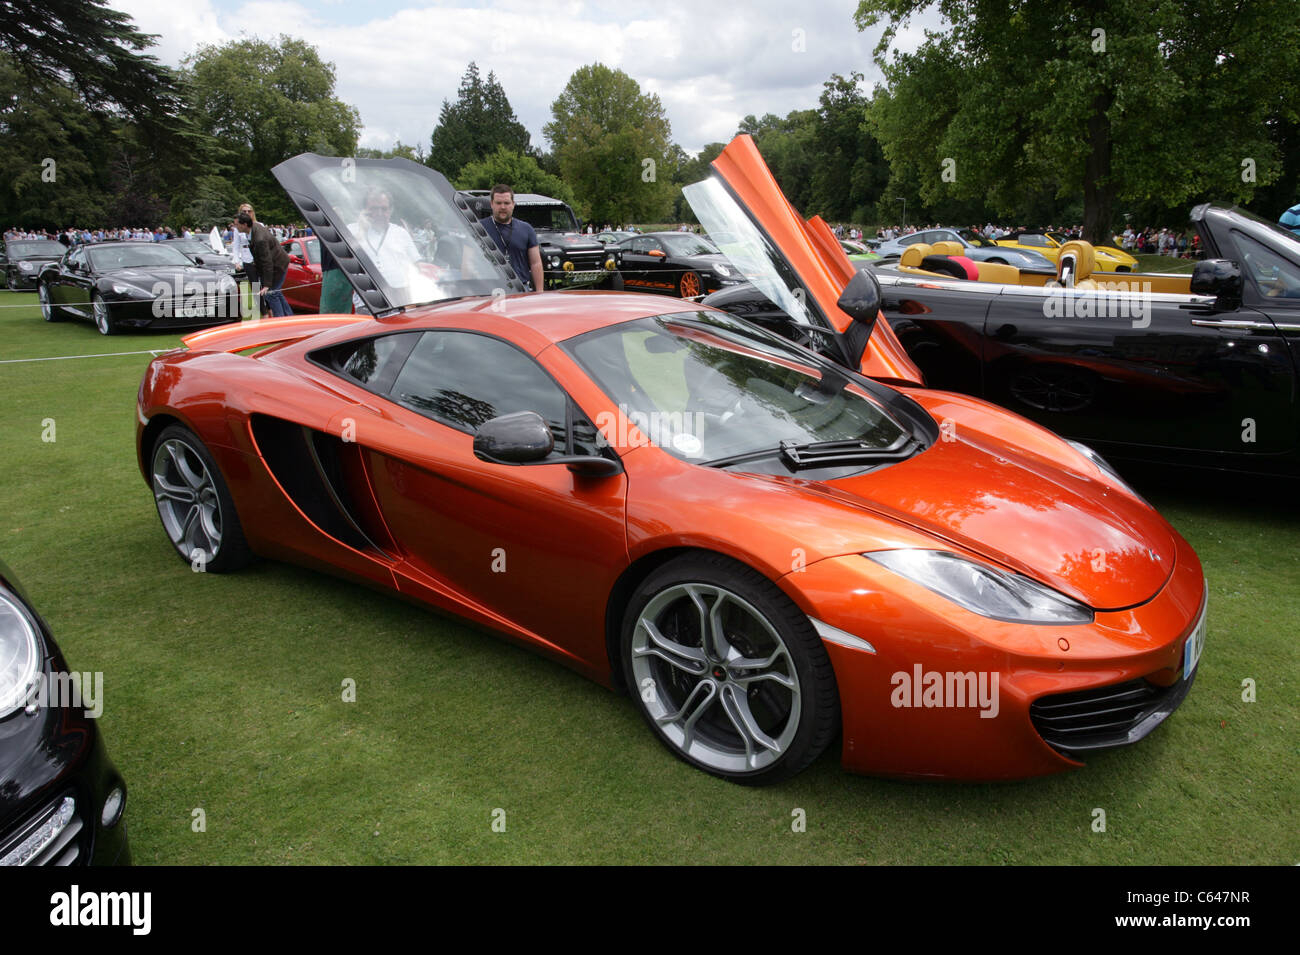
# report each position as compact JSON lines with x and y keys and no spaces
{"x":240,"y":336}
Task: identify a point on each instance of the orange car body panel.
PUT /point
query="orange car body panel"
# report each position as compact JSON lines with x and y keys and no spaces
{"x":536,"y":553}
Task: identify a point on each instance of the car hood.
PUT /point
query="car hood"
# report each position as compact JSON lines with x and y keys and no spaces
{"x":382,"y":260}
{"x":796,"y":263}
{"x":566,"y":240}
{"x":35,"y":258}
{"x":146,"y":279}
{"x":1098,"y":545}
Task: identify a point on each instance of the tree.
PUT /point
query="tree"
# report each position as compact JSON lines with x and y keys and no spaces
{"x":399,"y":150}
{"x":521,"y":173}
{"x":264,"y":103}
{"x":1162,"y":102}
{"x":94,"y":50}
{"x":613,"y":142}
{"x":480,"y":121}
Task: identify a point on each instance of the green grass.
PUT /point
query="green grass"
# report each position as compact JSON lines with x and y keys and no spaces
{"x":1163,"y":263}
{"x":224,"y":693}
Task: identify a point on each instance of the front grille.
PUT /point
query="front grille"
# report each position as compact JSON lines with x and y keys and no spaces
{"x":586,"y":261}
{"x":52,"y":836}
{"x":1089,"y":720}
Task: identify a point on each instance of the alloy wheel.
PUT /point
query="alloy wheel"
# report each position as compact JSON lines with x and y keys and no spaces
{"x":187,"y":499}
{"x":716,"y":677}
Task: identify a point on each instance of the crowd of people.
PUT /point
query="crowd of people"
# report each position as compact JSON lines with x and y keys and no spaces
{"x":75,"y":236}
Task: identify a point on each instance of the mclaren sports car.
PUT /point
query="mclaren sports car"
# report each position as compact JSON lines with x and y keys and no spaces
{"x":765,"y":549}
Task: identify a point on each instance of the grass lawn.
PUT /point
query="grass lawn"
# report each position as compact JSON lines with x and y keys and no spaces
{"x":224,"y":693}
{"x":1163,"y":263}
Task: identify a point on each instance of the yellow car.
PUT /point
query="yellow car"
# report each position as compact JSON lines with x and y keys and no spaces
{"x":1109,"y":258}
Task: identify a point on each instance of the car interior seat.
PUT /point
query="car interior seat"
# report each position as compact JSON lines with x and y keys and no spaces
{"x":1075,"y":264}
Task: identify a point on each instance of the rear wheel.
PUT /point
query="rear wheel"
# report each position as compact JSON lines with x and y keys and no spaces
{"x":727,"y":671}
{"x":103,"y":320}
{"x":194,"y":504}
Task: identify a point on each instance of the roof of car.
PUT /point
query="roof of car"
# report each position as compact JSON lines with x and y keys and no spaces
{"x":535,"y":320}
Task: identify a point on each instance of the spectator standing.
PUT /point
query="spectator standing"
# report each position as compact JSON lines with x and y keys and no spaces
{"x":515,"y":238}
{"x":271,"y":260}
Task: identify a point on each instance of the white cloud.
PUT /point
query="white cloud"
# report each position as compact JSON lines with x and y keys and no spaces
{"x":397,"y":62}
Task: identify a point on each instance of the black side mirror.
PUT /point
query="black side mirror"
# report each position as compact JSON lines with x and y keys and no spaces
{"x":524,"y":438}
{"x":861,"y":299}
{"x":514,"y":439}
{"x":1220,"y":278}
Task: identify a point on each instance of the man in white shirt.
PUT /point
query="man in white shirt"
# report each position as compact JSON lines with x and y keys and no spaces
{"x":389,"y":246}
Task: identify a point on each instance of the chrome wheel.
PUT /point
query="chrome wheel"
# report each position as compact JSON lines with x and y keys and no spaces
{"x":188,"y":501}
{"x":716,"y":678}
{"x":47,"y":310}
{"x":102,"y":320}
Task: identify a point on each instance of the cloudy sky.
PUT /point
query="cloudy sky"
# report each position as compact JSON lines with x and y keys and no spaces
{"x":397,"y":60}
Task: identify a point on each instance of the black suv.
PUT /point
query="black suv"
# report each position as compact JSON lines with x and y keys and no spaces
{"x":569,"y":259}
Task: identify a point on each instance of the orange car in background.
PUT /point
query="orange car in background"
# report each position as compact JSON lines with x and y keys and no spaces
{"x":765,"y":549}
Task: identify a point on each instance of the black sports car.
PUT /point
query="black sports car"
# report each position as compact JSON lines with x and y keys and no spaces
{"x":200,"y":253}
{"x":61,"y":799}
{"x":136,"y":285}
{"x":24,"y":259}
{"x":674,"y":263}
{"x":1199,"y":370}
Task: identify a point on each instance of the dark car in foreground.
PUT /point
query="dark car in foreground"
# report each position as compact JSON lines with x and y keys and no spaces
{"x":24,"y":259}
{"x":674,"y":263}
{"x":120,"y":285}
{"x":61,"y":799}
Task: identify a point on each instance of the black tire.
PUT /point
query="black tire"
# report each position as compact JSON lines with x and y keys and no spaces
{"x":193,"y":502}
{"x":800,"y":718}
{"x":102,"y":315}
{"x":997,"y":261}
{"x":49,"y":311}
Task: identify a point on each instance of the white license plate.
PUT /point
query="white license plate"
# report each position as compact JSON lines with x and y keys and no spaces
{"x":1195,"y":644}
{"x":584,"y":276}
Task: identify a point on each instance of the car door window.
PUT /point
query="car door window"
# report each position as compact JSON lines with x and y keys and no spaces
{"x":77,"y":260}
{"x":462,"y":379}
{"x":1037,"y":241}
{"x":1274,"y":276}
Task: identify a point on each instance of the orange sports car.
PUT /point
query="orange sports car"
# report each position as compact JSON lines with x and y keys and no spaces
{"x":766,"y":549}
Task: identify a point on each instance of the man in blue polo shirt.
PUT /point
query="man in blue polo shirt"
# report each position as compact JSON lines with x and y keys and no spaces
{"x":515,"y":238}
{"x":1291,"y":219}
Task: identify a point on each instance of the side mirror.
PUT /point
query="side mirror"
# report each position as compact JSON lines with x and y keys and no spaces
{"x":524,"y":438}
{"x":297,"y":259}
{"x":514,"y":439}
{"x":198,"y":260}
{"x":658,"y":253}
{"x":861,"y":299}
{"x":1220,"y":278}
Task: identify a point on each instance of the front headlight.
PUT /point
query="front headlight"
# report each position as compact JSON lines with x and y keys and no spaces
{"x":20,"y":654}
{"x":121,"y":289}
{"x":722,"y":270}
{"x":981,"y":589}
{"x":26,"y":266}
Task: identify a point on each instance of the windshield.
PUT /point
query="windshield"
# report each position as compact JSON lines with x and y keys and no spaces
{"x":684,"y":244}
{"x":399,"y":220}
{"x":547,"y":218}
{"x":109,"y":257}
{"x":706,"y":386}
{"x":24,"y":250}
{"x":194,"y":247}
{"x":747,"y":249}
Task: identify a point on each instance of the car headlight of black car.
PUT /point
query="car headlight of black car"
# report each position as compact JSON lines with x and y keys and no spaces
{"x":722,"y":270}
{"x":26,"y":266}
{"x":20,"y":654}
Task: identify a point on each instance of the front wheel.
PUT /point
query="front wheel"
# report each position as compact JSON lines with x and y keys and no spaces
{"x":727,"y":671}
{"x":103,"y":320}
{"x":48,"y":311}
{"x":195,"y":505}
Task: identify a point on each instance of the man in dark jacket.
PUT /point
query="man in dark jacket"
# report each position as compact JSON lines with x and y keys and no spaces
{"x":271,"y":260}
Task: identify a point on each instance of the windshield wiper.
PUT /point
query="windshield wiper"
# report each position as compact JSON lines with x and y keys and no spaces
{"x":827,"y":454}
